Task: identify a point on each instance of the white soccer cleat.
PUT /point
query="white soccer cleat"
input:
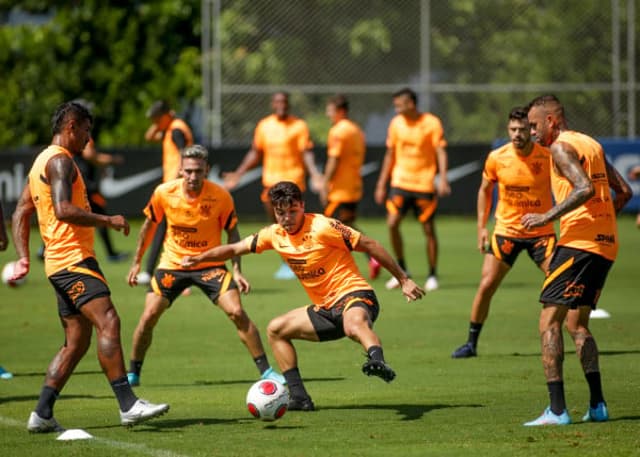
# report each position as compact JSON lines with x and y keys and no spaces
{"x":431,"y":284}
{"x":143,"y":278}
{"x":141,"y":411}
{"x":37,"y":424}
{"x":393,"y":283}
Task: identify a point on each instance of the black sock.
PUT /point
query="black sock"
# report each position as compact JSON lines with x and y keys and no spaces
{"x":432,"y":271}
{"x":375,"y":353}
{"x":124,"y":393}
{"x":595,"y":388}
{"x":556,"y":397}
{"x":262,"y":363}
{"x":402,"y":264}
{"x":474,"y":333}
{"x":294,"y":381}
{"x":135,"y":366}
{"x":48,"y":396}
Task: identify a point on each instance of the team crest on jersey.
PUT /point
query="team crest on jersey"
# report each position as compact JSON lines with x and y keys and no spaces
{"x":205,"y":210}
{"x":77,"y":289}
{"x":167,"y":280}
{"x":536,"y":168}
{"x":307,"y":241}
{"x":507,"y":247}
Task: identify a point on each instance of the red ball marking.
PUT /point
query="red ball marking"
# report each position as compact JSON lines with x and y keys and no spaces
{"x":253,"y":410}
{"x":268,"y":388}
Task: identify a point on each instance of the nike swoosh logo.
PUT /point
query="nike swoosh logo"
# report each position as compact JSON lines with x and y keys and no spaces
{"x":111,"y":187}
{"x":247,"y":178}
{"x":459,"y":172}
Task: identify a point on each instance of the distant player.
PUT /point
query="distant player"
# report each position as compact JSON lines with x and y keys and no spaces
{"x":581,"y":179}
{"x":56,"y":191}
{"x":319,"y":252}
{"x":520,"y":169}
{"x":196,"y":212}
{"x":4,"y":242}
{"x":416,"y":151}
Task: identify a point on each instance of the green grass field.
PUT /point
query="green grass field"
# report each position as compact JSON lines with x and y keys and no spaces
{"x":436,"y":406}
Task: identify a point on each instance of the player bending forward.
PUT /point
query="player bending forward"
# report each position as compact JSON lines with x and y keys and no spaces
{"x":318,"y":249}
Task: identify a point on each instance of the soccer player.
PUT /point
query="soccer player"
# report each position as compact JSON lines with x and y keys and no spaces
{"x":175,"y":135}
{"x":416,"y":150}
{"x":634,"y":173}
{"x":520,"y":168}
{"x":581,"y":179}
{"x":196,"y":212}
{"x":342,"y":187}
{"x":56,"y":191}
{"x":4,"y":243}
{"x":318,"y":249}
{"x":283,"y":144}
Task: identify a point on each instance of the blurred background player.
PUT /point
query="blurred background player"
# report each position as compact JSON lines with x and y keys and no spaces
{"x":4,"y":243}
{"x":415,"y":153}
{"x":175,"y":135}
{"x":634,"y":173}
{"x":196,"y":211}
{"x":520,"y":168}
{"x":344,"y":304}
{"x":581,"y":178}
{"x":56,"y":191}
{"x":283,"y":144}
{"x":342,"y":186}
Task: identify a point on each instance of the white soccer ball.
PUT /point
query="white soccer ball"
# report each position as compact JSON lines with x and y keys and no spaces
{"x":7,"y":273}
{"x":267,"y":400}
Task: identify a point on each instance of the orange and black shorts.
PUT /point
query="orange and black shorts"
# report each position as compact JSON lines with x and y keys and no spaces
{"x":337,"y":209}
{"x":507,"y":249}
{"x":575,"y":278}
{"x":400,"y":201}
{"x":213,"y":281}
{"x":77,"y":285}
{"x":328,"y":322}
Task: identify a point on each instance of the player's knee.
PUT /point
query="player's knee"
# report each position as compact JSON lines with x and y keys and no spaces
{"x":276,"y":327}
{"x":238,"y":317}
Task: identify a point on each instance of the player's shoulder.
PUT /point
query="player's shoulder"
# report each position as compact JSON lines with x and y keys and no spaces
{"x":502,"y":151}
{"x":170,"y":187}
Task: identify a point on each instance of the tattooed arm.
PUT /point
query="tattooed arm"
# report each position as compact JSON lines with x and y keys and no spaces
{"x":619,"y":186}
{"x":567,"y":164}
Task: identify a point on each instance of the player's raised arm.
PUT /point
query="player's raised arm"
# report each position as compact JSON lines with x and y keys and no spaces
{"x":218,"y":254}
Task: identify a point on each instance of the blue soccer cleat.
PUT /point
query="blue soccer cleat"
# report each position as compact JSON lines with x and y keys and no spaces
{"x":134,"y":379}
{"x":549,"y":418}
{"x":272,"y":374}
{"x":597,"y":414}
{"x":284,"y":272}
{"x":465,"y":351}
{"x":4,"y":374}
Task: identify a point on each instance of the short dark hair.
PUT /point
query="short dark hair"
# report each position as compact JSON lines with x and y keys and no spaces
{"x":68,"y":111}
{"x":407,"y":93}
{"x":550,"y":102}
{"x":158,"y":108}
{"x":339,"y":101}
{"x":284,"y":193}
{"x":518,"y":113}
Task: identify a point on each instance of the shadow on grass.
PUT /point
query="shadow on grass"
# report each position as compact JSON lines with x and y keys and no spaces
{"x":537,"y":354}
{"x":42,"y":373}
{"x":409,"y":412}
{"x":231,"y":382}
{"x":168,"y":425}
{"x":63,"y":397}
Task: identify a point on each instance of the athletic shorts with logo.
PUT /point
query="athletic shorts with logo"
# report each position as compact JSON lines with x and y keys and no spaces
{"x":78,"y":284}
{"x":400,"y":201}
{"x":213,"y":281}
{"x":328,"y":322}
{"x":507,"y":249}
{"x":575,"y":278}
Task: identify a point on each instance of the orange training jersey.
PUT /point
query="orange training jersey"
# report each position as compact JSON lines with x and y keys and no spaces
{"x":193,"y":226}
{"x":592,"y":226}
{"x":282,"y":143}
{"x":346,"y":142}
{"x":414,"y":144}
{"x":524,"y":186}
{"x":170,"y":153}
{"x":65,"y":244}
{"x":319,"y":254}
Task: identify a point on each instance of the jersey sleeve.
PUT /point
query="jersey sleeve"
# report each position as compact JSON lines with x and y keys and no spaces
{"x":155,"y":209}
{"x":338,"y":235}
{"x":228,"y":216}
{"x":391,"y":134}
{"x":438,"y":138}
{"x":335,"y":144}
{"x":304,"y":139}
{"x":489,"y":172}
{"x":261,"y":241}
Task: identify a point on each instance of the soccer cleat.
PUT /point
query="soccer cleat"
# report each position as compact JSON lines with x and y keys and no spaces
{"x":393,"y":283}
{"x":37,"y":424}
{"x":549,"y":418}
{"x":431,"y":284}
{"x":374,"y":268}
{"x":141,"y":411}
{"x":4,"y":374}
{"x":272,"y":374}
{"x":143,"y":278}
{"x":301,"y":404}
{"x":134,"y":379}
{"x":597,"y":414}
{"x":378,"y":368}
{"x":284,"y":272}
{"x":465,"y":351}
